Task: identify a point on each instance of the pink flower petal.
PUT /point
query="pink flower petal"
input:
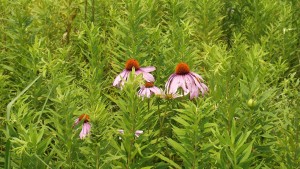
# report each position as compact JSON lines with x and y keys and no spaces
{"x":194,"y":94}
{"x":138,"y":133}
{"x":118,"y":79}
{"x":189,"y":83}
{"x":174,"y":84}
{"x":155,"y":90}
{"x":167,"y":86}
{"x":140,"y":91}
{"x":148,"y":69}
{"x":148,"y":77}
{"x":198,"y":77}
{"x":145,"y":92}
{"x":148,"y":92}
{"x":137,"y":72}
{"x":86,"y":128}
{"x":202,"y":87}
{"x":183,"y":85}
{"x":76,"y":122}
{"x":126,"y":75}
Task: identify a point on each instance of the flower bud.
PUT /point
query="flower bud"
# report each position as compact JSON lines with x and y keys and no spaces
{"x":251,"y":103}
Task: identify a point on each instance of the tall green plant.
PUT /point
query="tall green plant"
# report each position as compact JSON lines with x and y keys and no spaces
{"x":134,"y":114}
{"x":191,"y":132}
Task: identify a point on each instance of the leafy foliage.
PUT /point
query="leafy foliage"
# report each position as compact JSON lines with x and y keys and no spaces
{"x":58,"y":60}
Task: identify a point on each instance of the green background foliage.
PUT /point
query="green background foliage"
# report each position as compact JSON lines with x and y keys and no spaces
{"x":58,"y":60}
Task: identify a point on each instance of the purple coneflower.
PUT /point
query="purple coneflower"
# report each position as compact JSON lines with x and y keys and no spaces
{"x":137,"y":132}
{"x":190,"y":82}
{"x":123,"y":76}
{"x":86,"y":127}
{"x":148,"y":89}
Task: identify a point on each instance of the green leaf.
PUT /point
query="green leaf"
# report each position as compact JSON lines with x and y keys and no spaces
{"x":176,"y":146}
{"x":181,"y":121}
{"x":168,"y":160}
{"x":242,"y":139}
{"x":7,"y":155}
{"x":247,"y":152}
{"x":148,"y":167}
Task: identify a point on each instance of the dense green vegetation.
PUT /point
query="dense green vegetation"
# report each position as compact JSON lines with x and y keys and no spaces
{"x":59,"y":58}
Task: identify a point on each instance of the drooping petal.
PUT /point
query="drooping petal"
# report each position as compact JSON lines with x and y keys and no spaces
{"x":196,"y":87}
{"x":167,"y":86}
{"x":189,"y":83}
{"x":174,"y":84}
{"x":148,"y":93}
{"x":148,"y":69}
{"x":148,"y":77}
{"x":145,"y":92}
{"x":126,"y":75}
{"x":198,"y":77}
{"x":76,"y":122}
{"x":155,"y":90}
{"x":142,"y":88}
{"x":124,"y":78}
{"x":142,"y":92}
{"x":118,"y":79}
{"x":194,"y":93}
{"x":202,"y":87}
{"x":139,"y":92}
{"x":138,"y":133}
{"x":86,"y":128}
{"x":182,"y":84}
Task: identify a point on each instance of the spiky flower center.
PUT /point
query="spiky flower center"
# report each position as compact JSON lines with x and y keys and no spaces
{"x":132,"y":63}
{"x":149,"y":84}
{"x":182,"y":69}
{"x":84,"y":117}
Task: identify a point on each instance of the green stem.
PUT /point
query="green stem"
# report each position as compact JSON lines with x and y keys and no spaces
{"x":161,"y":124}
{"x":93,"y":10}
{"x":159,"y":118}
{"x":97,"y":157}
{"x":85,"y":10}
{"x":148,"y":104}
{"x":296,"y":156}
{"x":43,"y":108}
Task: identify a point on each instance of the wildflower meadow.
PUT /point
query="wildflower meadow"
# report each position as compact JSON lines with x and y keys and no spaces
{"x":150,"y":84}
